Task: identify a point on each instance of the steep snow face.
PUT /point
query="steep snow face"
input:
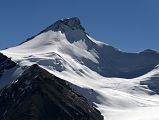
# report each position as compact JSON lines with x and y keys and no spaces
{"x":65,"y":50}
{"x":68,"y":39}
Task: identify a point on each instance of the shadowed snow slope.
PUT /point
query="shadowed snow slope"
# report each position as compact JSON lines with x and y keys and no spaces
{"x":122,"y":85}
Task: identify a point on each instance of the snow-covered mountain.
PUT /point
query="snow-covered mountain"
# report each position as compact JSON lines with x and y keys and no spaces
{"x":121,"y":85}
{"x":68,"y":43}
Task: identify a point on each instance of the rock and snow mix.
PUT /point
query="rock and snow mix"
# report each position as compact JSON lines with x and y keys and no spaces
{"x":100,"y":71}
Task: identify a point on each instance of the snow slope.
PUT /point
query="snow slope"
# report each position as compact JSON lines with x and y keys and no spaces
{"x":96,"y":70}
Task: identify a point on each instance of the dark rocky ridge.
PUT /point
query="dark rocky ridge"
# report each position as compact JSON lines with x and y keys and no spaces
{"x":39,"y":95}
{"x":5,"y":63}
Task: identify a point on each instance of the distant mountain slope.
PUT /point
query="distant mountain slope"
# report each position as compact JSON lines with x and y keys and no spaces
{"x":39,"y":95}
{"x":151,"y":80}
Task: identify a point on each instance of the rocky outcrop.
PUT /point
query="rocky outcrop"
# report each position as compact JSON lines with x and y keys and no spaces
{"x":73,"y":23}
{"x":39,"y":95}
{"x":5,"y":63}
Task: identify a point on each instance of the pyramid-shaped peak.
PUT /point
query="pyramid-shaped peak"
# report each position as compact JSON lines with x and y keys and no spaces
{"x":75,"y":21}
{"x":60,"y":25}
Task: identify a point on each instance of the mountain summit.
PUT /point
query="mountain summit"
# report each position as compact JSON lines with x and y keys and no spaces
{"x":68,"y":23}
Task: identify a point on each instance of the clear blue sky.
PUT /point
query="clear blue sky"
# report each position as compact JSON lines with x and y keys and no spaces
{"x":130,"y":25}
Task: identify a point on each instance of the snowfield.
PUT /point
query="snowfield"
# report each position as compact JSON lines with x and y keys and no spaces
{"x":68,"y":54}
